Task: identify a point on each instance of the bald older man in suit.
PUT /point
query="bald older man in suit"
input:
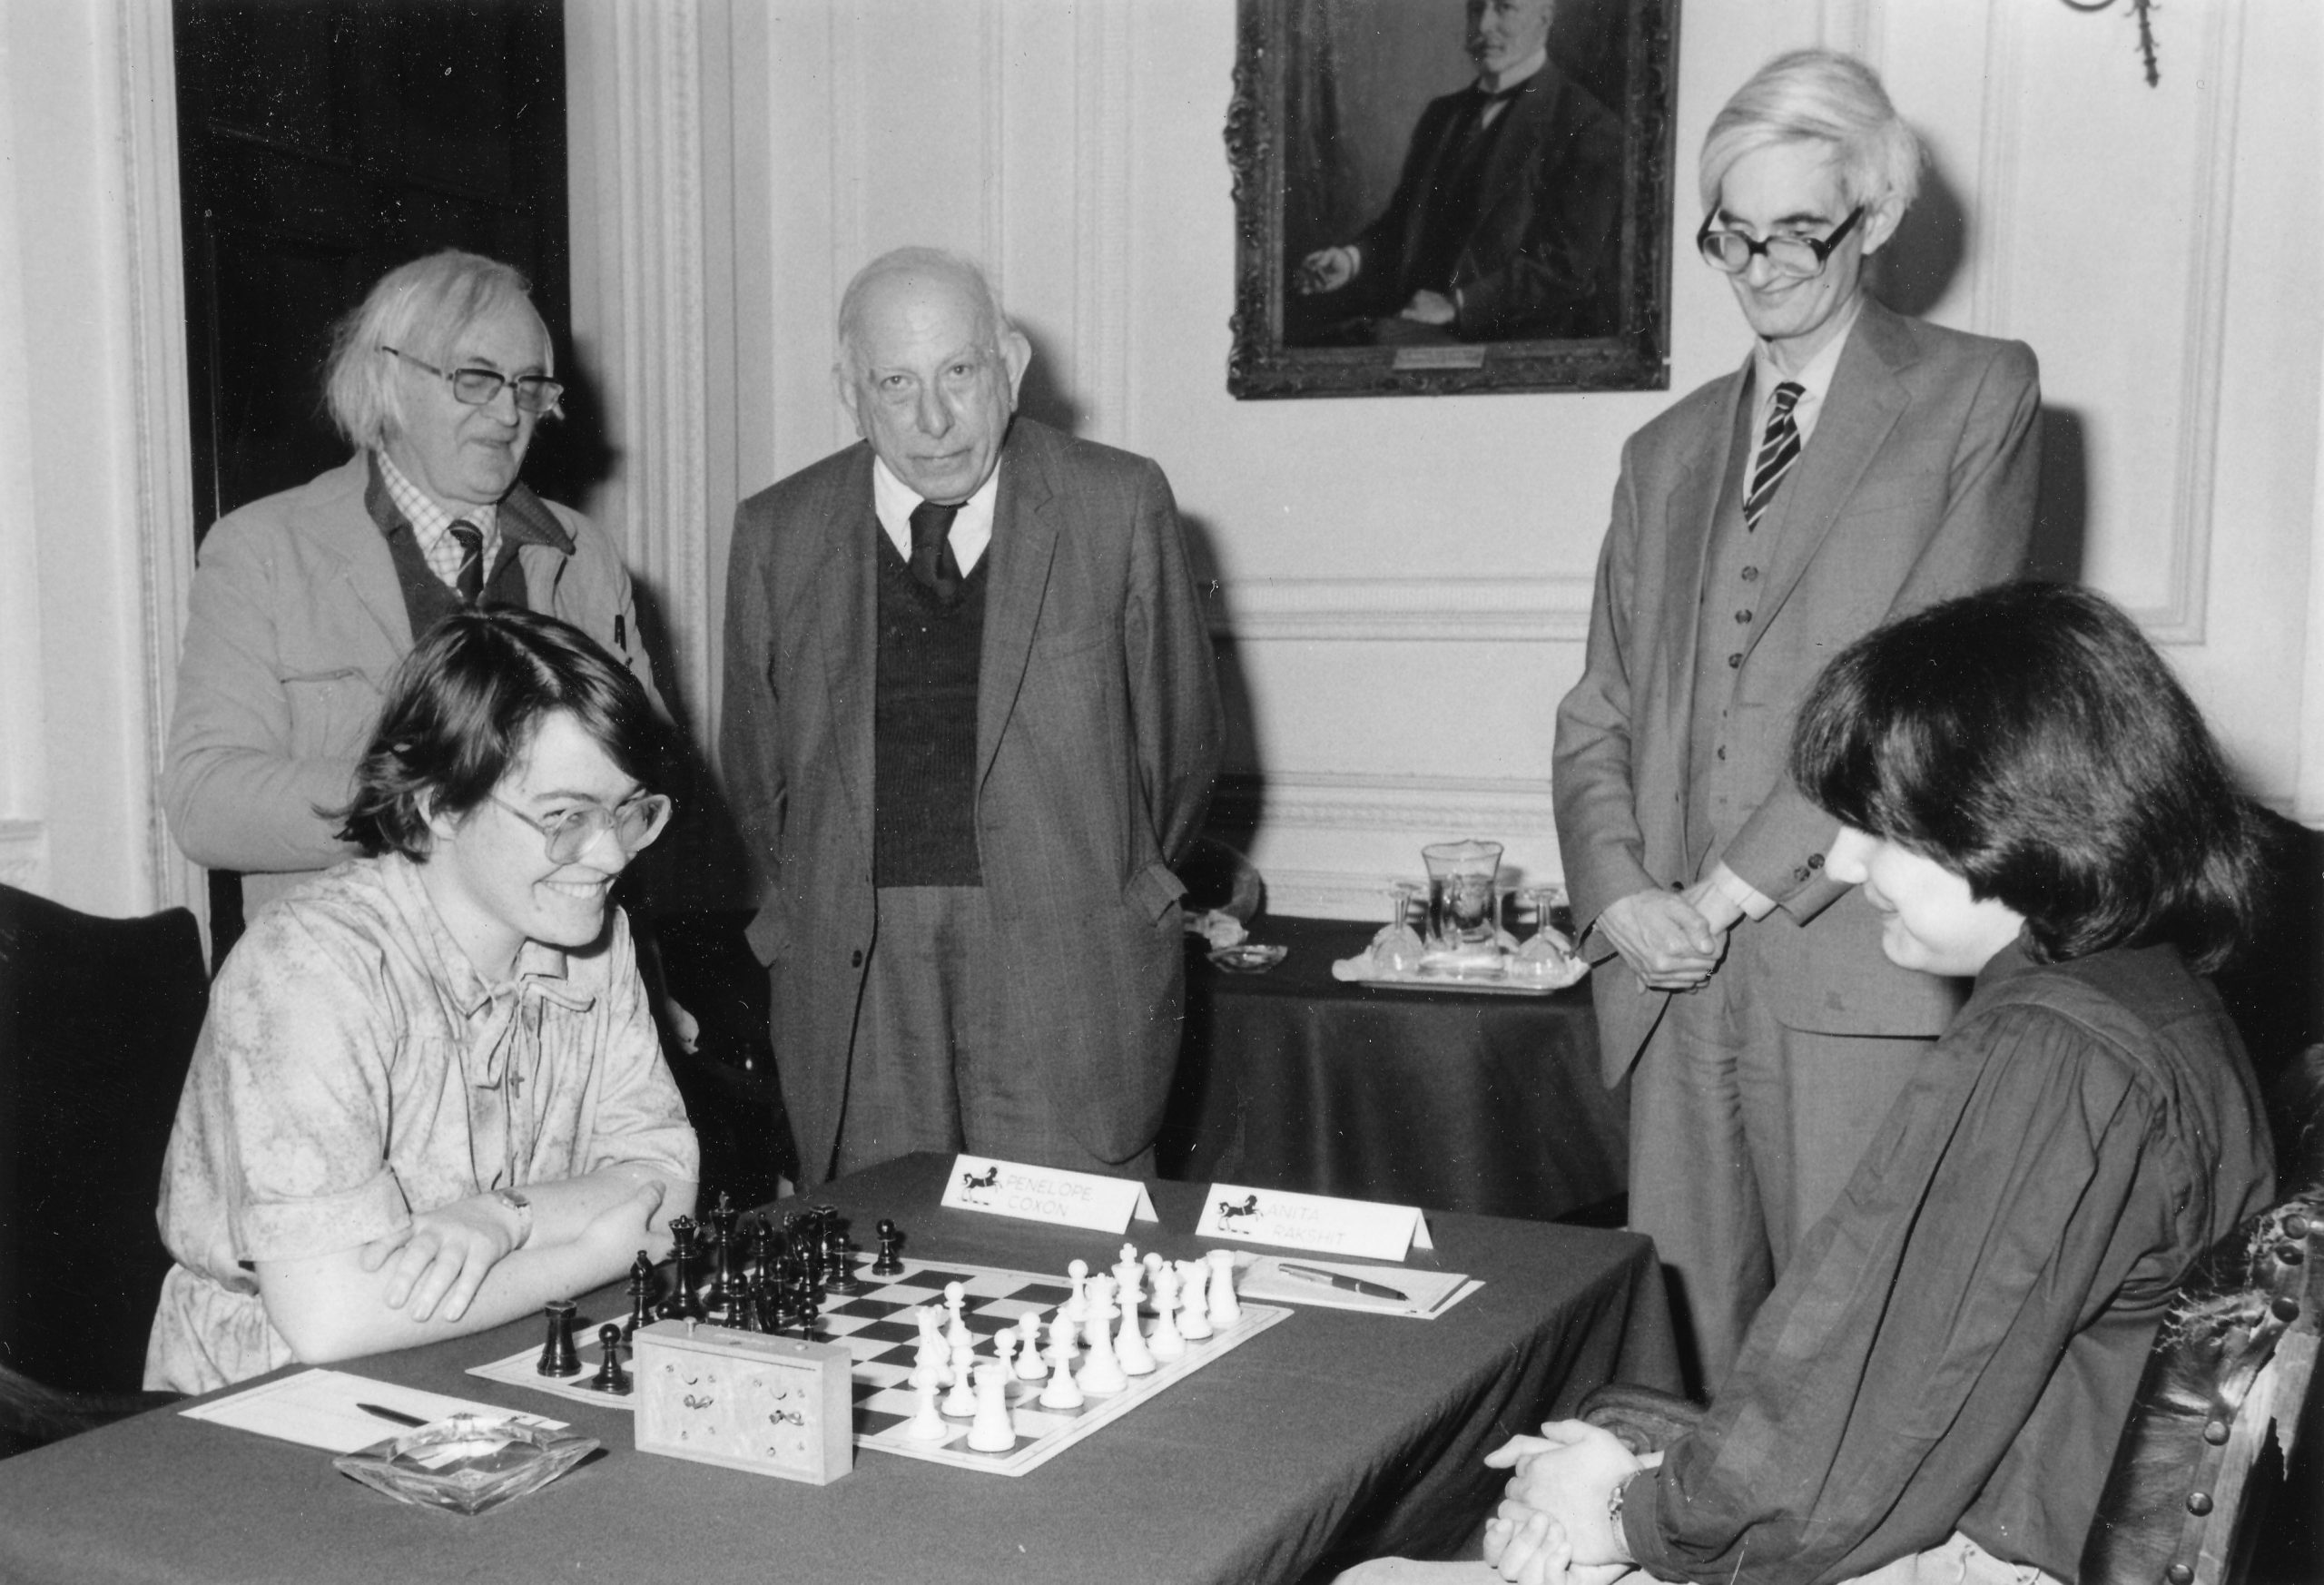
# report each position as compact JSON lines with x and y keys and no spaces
{"x":970,"y":722}
{"x":1858,"y":466}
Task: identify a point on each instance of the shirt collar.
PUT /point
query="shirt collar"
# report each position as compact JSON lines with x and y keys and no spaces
{"x":972,"y":531}
{"x":1524,"y":71}
{"x":540,"y":971}
{"x":1814,"y":381}
{"x":428,"y":518}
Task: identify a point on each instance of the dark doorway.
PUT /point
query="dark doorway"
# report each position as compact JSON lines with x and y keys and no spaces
{"x":321,"y":142}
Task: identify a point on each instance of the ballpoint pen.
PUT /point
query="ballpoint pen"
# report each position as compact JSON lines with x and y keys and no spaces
{"x":397,"y":1415}
{"x":1311,"y":1273}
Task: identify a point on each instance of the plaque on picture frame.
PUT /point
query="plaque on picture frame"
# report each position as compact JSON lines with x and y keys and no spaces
{"x":1435,"y":197}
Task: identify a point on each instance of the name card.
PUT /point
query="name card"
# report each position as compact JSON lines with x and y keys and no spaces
{"x":1312,"y":1221}
{"x":1045,"y":1194}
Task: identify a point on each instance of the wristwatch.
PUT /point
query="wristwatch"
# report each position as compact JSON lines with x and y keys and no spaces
{"x":524,"y":1209}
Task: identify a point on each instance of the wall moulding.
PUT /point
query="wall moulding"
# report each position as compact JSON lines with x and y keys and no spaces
{"x":1410,"y":610}
{"x":1320,"y":801}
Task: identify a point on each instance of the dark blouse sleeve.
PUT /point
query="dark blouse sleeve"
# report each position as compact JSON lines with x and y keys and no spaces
{"x":1890,"y":1371}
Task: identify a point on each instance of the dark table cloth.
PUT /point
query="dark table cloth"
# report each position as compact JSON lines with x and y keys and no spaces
{"x":1326,"y":1437}
{"x":1450,"y":1100}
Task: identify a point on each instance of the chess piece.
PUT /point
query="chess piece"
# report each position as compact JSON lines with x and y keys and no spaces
{"x":992,"y":1431}
{"x":1130,"y":1347}
{"x":961,"y":1400}
{"x":610,"y":1377}
{"x":722,"y":1296}
{"x":683,"y":1304}
{"x":558,"y":1356}
{"x":1166,"y":1343}
{"x":1224,"y":1310}
{"x":839,"y":1260}
{"x":807,"y":1310}
{"x":1030,"y":1365}
{"x":1078,"y":1307}
{"x":926,"y":1425}
{"x":1061,"y":1391}
{"x":1194,"y":1311}
{"x":1102,"y":1371}
{"x":958,"y":1334}
{"x":641,"y":1295}
{"x":891,"y":1239}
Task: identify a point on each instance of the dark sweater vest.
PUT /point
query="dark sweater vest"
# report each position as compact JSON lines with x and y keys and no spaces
{"x":924,"y":729}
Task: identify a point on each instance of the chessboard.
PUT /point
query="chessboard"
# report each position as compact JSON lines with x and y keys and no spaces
{"x":877,"y":1326}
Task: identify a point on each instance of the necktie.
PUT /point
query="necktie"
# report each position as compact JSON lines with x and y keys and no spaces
{"x":470,"y":583}
{"x":1777,"y":451}
{"x":931,"y":550}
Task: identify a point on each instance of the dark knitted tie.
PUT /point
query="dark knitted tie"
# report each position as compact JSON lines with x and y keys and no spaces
{"x":931,"y":550}
{"x":1777,"y":451}
{"x":470,"y":583}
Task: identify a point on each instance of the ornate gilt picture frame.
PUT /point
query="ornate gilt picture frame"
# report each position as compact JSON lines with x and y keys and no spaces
{"x":1401,"y":233}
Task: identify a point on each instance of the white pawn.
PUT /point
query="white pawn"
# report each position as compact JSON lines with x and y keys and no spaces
{"x":1004,"y":1348}
{"x":958,"y":1334}
{"x":1224,"y":1310}
{"x":1029,"y":1367}
{"x":961,"y":1400}
{"x":1193,"y":1315}
{"x":1165,"y":1342}
{"x":1131,"y":1350}
{"x":993,"y":1431}
{"x":926,"y":1425}
{"x":1077,"y":1308}
{"x":1061,"y":1392}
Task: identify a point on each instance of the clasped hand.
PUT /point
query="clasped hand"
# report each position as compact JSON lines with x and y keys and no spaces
{"x":1553,"y":1527}
{"x":1665,"y":937}
{"x":442,"y":1257}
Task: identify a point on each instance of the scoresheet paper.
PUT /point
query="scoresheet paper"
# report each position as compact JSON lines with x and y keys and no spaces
{"x":1427,"y":1293}
{"x":323,"y":1409}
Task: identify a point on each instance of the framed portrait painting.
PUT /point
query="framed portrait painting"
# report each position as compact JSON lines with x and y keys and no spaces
{"x":1451,"y":195}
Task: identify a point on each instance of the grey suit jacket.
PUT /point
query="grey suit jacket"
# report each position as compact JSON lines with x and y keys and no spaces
{"x":1097,"y":735}
{"x":1917,"y":486}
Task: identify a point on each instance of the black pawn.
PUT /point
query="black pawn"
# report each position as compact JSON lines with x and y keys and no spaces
{"x":839,"y":1260}
{"x":891,"y":1239}
{"x":721,"y":1296}
{"x":558,"y":1356}
{"x":610,"y":1377}
{"x":641,"y":1295}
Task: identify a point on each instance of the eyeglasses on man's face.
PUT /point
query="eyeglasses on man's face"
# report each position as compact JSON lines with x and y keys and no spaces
{"x":478,"y":388}
{"x":571,"y":832}
{"x":1796,"y":257}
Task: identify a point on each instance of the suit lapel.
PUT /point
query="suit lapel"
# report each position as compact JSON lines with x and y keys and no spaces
{"x":1024,"y":544}
{"x":843,"y":595}
{"x":1862,"y":407}
{"x":1512,"y":154}
{"x":1692,"y":513}
{"x":360,"y":559}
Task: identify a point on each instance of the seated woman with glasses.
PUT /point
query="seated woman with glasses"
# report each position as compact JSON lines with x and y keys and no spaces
{"x":304,"y":601}
{"x":428,"y":1096}
{"x":1935,"y":1389}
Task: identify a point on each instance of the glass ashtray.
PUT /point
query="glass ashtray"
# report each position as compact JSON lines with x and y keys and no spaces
{"x":1249,"y":957}
{"x":467,"y":1462}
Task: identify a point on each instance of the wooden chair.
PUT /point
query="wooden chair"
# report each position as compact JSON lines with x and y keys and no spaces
{"x":97,"y":1024}
{"x":2228,"y":1382}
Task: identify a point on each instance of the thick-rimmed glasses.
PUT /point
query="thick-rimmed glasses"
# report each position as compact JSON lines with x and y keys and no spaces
{"x":478,"y":387}
{"x":1797,"y":257}
{"x":570,"y":832}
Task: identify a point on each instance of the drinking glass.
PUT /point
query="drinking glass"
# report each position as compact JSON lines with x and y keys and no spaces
{"x":1397,"y":946}
{"x":1460,"y":878}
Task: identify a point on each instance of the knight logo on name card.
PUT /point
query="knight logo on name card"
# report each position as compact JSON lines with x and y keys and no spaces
{"x":1357,"y":1227}
{"x":1043,"y":1193}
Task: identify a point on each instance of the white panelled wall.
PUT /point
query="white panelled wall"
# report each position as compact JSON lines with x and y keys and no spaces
{"x":1399,"y":587}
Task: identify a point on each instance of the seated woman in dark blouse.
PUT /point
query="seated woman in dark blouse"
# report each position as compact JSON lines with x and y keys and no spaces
{"x":1935,"y":1388}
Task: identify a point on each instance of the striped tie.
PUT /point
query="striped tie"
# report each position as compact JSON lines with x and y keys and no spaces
{"x":1777,"y":452}
{"x":470,"y":583}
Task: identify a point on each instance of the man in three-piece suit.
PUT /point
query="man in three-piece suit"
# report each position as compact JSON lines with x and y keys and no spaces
{"x":1858,"y":466}
{"x":970,"y":722}
{"x":1504,"y":222}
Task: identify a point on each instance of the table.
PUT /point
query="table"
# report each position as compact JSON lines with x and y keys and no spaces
{"x":1322,"y":1439}
{"x":1450,"y":1100}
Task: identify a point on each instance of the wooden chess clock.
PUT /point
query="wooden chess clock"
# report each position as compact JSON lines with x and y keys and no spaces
{"x":774,"y":1405}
